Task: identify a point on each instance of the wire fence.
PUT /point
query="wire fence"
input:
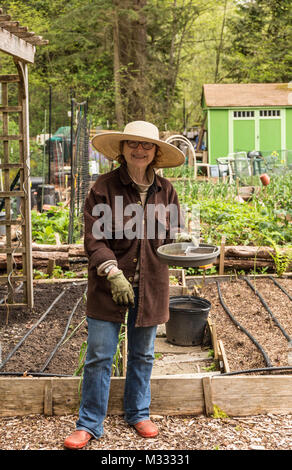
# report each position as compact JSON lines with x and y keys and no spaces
{"x":80,"y":177}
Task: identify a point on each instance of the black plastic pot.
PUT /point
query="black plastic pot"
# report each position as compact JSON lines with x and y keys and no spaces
{"x":188,"y":317}
{"x":49,"y":196}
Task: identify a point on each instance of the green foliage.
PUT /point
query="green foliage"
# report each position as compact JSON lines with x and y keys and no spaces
{"x":39,"y":274}
{"x":117,"y":360}
{"x":260,"y":42}
{"x":212,"y":368}
{"x":79,"y":58}
{"x":79,"y":371}
{"x":241,"y":223}
{"x":211,"y":353}
{"x":57,"y":272}
{"x":282,"y":256}
{"x":81,"y":359}
{"x":46,"y":224}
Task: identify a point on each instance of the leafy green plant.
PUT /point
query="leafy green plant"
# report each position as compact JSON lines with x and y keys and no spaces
{"x":158,"y":355}
{"x":268,"y":213}
{"x":282,"y":257}
{"x":80,"y":368}
{"x":173,"y":280}
{"x":57,"y":272}
{"x":69,"y":274}
{"x":39,"y":274}
{"x":56,"y":220}
{"x":117,"y":360}
{"x":211,"y":368}
{"x":81,"y":359}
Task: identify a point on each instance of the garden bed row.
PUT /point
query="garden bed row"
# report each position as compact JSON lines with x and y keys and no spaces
{"x":240,"y":394}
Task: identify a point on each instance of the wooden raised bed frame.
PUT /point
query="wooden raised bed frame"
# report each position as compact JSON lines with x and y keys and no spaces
{"x":188,"y":394}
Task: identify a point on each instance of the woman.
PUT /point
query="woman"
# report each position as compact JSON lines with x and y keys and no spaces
{"x":125,"y":274}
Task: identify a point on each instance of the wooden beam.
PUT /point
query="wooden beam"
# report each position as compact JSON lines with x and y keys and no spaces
{"x":39,"y":42}
{"x":34,"y":39}
{"x":4,"y":278}
{"x":251,"y":395}
{"x":23,"y":99}
{"x":10,"y":109}
{"x":208,"y":397}
{"x":11,"y":194}
{"x":16,"y":46}
{"x":12,"y":249}
{"x":10,"y":137}
{"x":9,"y":166}
{"x":48,"y":398}
{"x":11,"y":222}
{"x":222,"y":357}
{"x":171,"y":395}
{"x":213,"y":333}
{"x":8,"y":25}
{"x":4,"y":17}
{"x":14,"y":305}
{"x":222,"y":256}
{"x":9,"y":78}
{"x":25,"y":34}
{"x":18,"y":29}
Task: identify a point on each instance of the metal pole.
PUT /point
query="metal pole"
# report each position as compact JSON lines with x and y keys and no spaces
{"x":50,"y":134}
{"x":71,"y":139}
{"x":72,"y":192}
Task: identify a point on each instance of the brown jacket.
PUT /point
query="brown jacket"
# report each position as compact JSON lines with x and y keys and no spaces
{"x":153,"y":304}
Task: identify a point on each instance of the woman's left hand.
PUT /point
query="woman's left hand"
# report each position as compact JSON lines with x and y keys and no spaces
{"x":121,"y":289}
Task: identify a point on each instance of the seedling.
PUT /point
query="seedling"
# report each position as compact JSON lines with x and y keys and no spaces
{"x":218,"y":413}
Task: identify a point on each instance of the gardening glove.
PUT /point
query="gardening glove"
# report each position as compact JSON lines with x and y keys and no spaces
{"x":184,"y":237}
{"x":121,"y":290}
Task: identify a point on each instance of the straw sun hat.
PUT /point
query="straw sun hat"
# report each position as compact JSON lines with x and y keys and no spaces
{"x":108,"y":143}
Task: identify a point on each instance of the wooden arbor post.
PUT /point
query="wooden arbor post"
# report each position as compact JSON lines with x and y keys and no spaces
{"x":17,"y":42}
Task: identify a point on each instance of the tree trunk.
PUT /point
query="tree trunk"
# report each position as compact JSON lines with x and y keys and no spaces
{"x":117,"y":68}
{"x":220,"y":46}
{"x":132,"y":40}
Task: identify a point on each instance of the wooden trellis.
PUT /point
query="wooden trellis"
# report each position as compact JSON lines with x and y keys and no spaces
{"x":19,"y":43}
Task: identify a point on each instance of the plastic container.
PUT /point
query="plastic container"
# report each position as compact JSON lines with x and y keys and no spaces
{"x":188,"y":317}
{"x":186,"y":254}
{"x":265,"y":179}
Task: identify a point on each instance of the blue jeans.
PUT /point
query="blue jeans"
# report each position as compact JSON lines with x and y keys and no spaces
{"x":101,"y":346}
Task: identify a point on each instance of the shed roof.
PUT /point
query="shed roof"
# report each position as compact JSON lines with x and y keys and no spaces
{"x":247,"y":94}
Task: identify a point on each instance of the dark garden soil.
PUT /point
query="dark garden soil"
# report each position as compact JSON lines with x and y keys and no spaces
{"x":37,"y":347}
{"x":241,"y":353}
{"x":39,"y":432}
{"x":248,"y":310}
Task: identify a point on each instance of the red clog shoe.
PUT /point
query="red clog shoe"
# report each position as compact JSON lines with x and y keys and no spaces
{"x":77,"y":439}
{"x":146,"y":428}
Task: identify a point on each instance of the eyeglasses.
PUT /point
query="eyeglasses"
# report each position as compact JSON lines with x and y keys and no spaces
{"x":134,"y":144}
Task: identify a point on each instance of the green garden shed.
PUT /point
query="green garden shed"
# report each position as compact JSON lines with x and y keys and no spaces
{"x":242,"y":117}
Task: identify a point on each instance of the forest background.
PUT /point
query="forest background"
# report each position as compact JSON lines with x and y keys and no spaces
{"x":148,"y":59}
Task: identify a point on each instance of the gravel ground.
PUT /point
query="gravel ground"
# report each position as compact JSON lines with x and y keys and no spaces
{"x":261,"y":432}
